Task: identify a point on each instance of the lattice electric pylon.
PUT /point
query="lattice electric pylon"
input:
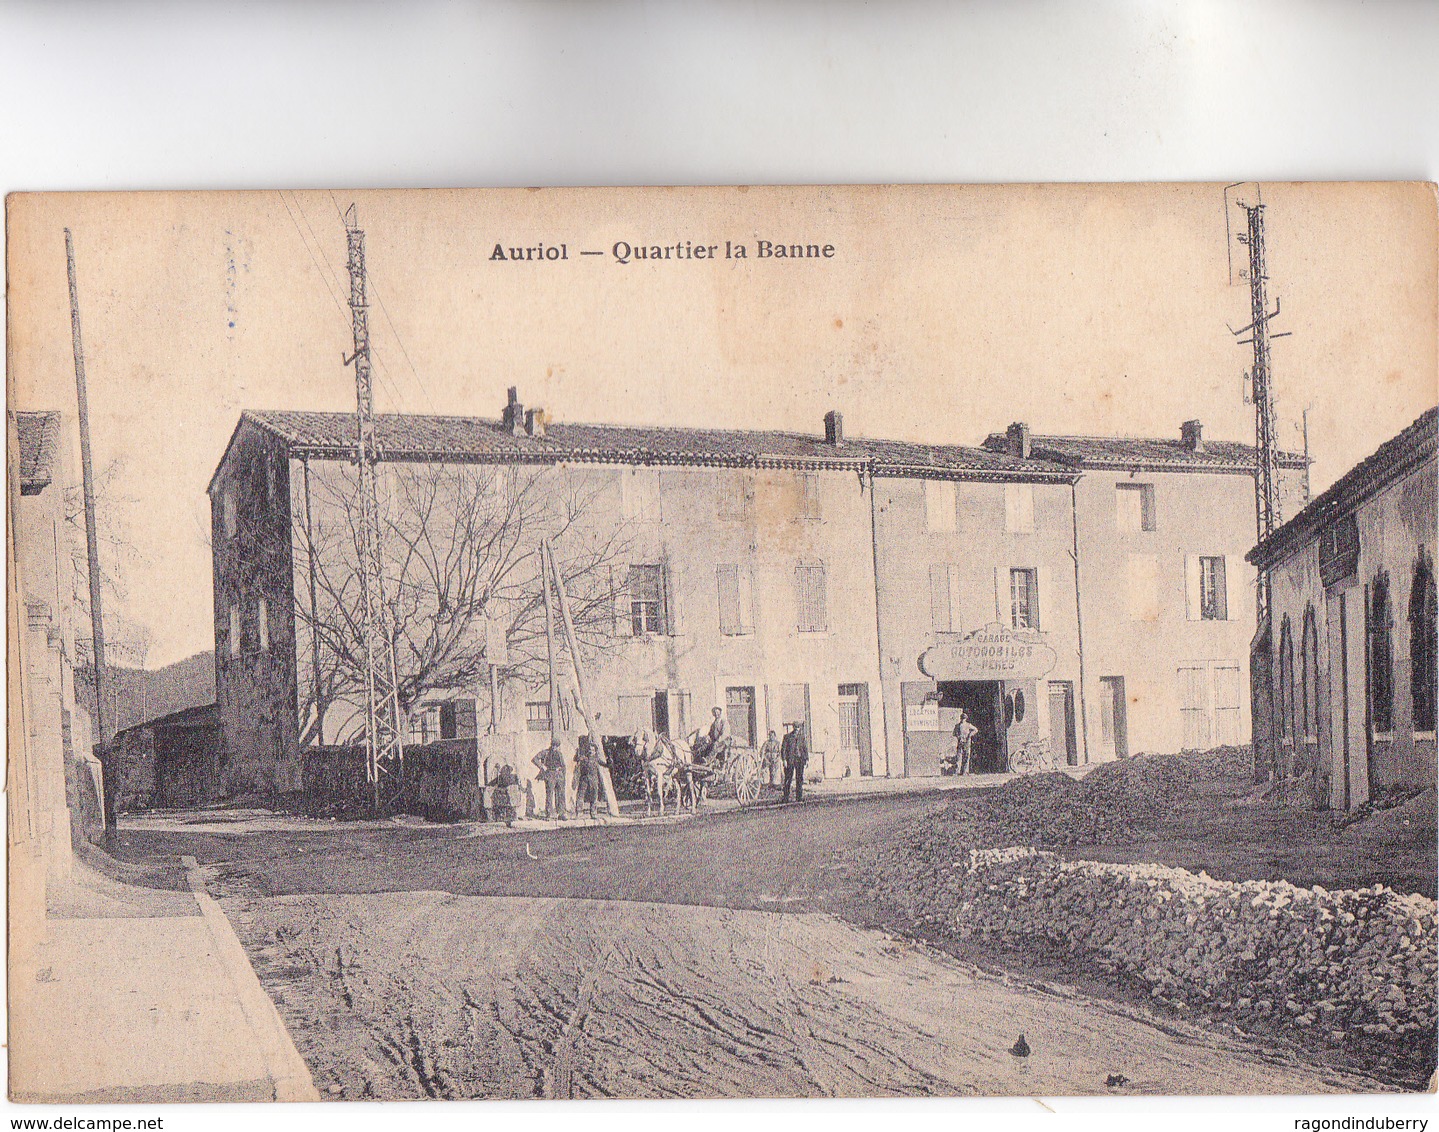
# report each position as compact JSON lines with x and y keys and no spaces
{"x":384,"y":742}
{"x":1267,"y":501}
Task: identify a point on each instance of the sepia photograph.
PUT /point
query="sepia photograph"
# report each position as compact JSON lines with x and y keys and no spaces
{"x":732,"y":642}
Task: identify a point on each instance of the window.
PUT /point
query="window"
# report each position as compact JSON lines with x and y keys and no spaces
{"x":537,"y":715}
{"x":1309,"y":678}
{"x":502,"y":485}
{"x":1019,"y":508}
{"x":1213,"y":589}
{"x":811,"y":599}
{"x":227,"y":511}
{"x":736,"y":600}
{"x":1381,"y":656}
{"x":944,"y":598}
{"x":1143,"y":587}
{"x":939,"y":505}
{"x":1023,"y":599}
{"x":262,"y":616}
{"x":640,"y":493}
{"x":1422,"y":673}
{"x":809,"y":495}
{"x":1286,"y":680}
{"x":733,"y":496}
{"x":1134,"y":506}
{"x":647,"y":600}
{"x":271,"y":480}
{"x":234,"y":630}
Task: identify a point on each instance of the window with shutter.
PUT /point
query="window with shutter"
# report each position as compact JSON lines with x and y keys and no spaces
{"x":810,"y":591}
{"x":234,"y":630}
{"x":733,"y":496}
{"x":939,"y":505}
{"x":1134,"y":506}
{"x":809,"y":495}
{"x":1019,"y":508}
{"x":734,"y":600}
{"x":941,"y":613}
{"x":262,"y":614}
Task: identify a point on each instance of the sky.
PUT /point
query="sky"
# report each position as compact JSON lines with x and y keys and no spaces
{"x":944,"y":314}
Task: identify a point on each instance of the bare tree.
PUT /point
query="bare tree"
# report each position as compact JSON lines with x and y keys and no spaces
{"x":127,"y":638}
{"x":461,"y":548}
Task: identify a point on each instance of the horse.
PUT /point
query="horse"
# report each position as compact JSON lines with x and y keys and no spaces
{"x":661,"y":761}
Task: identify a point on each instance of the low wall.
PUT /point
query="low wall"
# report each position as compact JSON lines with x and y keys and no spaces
{"x":441,"y":781}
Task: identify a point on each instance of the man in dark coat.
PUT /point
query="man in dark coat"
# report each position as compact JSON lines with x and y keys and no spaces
{"x":588,"y":762}
{"x":551,"y":764}
{"x":794,"y":752}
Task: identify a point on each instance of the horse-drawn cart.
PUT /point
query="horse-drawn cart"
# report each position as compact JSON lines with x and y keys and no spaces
{"x":675,"y":765}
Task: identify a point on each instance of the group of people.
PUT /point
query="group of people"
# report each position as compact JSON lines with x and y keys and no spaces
{"x":586,"y":779}
{"x":785,"y":757}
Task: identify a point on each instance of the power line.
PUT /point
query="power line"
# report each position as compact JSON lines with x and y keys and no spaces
{"x":385,"y":310}
{"x":339,"y":306}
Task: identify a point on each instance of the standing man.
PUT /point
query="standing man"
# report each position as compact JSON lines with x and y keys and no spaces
{"x":964,"y":733}
{"x":795,"y":752}
{"x":588,"y":762}
{"x":551,"y":764}
{"x":771,"y":765}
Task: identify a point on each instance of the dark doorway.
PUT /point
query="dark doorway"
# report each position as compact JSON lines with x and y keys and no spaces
{"x":854,"y":725}
{"x":662,"y":714}
{"x":983,"y":703}
{"x":1061,"y":722}
{"x":740,"y":714}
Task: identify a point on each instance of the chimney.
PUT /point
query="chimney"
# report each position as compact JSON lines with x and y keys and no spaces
{"x":1018,"y":436}
{"x":514,"y":417}
{"x":834,"y":428}
{"x":535,"y":422}
{"x":1191,"y":435}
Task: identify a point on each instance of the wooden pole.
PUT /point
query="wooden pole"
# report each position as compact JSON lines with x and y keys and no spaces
{"x":550,"y":645}
{"x":87,"y":473}
{"x":581,"y":697}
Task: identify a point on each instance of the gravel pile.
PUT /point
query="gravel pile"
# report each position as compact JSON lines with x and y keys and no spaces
{"x":1109,"y":805}
{"x":1259,"y":951}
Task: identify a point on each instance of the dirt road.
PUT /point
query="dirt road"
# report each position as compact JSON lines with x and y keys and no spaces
{"x":433,"y":995}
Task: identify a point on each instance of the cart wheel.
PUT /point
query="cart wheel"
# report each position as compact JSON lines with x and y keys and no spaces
{"x":747,"y":787}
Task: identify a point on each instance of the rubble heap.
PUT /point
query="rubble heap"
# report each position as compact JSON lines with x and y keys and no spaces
{"x":1360,"y":960}
{"x":1109,"y":805}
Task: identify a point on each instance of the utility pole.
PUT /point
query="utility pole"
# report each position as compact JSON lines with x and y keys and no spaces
{"x":581,"y":694}
{"x":1268,"y":514}
{"x":87,"y":475}
{"x":1267,"y":503}
{"x":384,"y":744}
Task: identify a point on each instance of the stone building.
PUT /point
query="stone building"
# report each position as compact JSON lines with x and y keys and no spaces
{"x":55,"y":781}
{"x":1063,"y":591}
{"x":1352,"y":578}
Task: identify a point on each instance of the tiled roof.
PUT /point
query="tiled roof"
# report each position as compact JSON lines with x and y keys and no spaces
{"x":39,"y":442}
{"x":420,"y":437}
{"x":1143,"y":452}
{"x":1397,"y":456}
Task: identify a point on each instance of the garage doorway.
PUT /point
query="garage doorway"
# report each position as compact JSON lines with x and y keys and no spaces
{"x":983,"y":703}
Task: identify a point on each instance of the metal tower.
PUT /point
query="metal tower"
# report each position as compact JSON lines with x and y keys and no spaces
{"x":1266,"y":472}
{"x":384,"y":743}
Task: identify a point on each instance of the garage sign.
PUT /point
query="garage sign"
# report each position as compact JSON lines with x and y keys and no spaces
{"x":995,"y":652}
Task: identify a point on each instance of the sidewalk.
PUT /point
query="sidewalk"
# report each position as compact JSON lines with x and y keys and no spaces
{"x":140,"y":995}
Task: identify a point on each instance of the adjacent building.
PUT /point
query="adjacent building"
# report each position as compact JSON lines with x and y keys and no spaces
{"x":1074,"y":595}
{"x":1352,"y":579}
